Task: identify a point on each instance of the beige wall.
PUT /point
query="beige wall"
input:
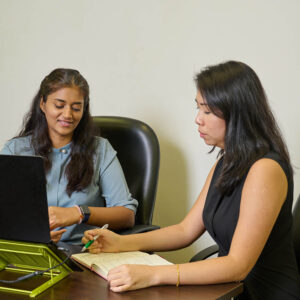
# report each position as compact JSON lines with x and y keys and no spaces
{"x":140,"y":57}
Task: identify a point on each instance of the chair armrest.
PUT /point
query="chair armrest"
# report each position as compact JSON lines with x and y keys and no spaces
{"x":139,"y":229}
{"x":207,"y":252}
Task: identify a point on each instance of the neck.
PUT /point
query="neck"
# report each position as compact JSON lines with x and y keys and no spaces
{"x":59,"y":142}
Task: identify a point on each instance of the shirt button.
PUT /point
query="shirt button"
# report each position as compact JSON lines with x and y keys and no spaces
{"x":63,"y":151}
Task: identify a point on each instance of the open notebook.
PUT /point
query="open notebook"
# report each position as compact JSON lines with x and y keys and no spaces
{"x":103,"y":262}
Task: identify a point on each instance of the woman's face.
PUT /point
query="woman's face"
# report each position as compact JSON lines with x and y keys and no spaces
{"x":63,"y":110}
{"x":211,"y":128}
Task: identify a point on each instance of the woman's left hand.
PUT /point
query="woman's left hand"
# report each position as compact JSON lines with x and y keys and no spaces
{"x":131,"y":277}
{"x":57,"y":234}
{"x":62,"y":216}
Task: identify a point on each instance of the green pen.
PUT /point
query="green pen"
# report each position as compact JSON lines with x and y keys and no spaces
{"x":89,"y":243}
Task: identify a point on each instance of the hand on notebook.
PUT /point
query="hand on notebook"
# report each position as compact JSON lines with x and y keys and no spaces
{"x":131,"y":277}
{"x":107,"y":241}
{"x":62,"y":216}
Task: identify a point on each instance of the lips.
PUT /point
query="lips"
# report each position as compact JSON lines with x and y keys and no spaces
{"x":64,"y":123}
{"x":202,"y":134}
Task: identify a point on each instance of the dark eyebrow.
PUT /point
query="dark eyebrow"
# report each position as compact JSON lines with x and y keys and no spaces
{"x":61,"y":100}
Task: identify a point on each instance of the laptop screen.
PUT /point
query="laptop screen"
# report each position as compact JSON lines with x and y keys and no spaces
{"x":23,"y":199}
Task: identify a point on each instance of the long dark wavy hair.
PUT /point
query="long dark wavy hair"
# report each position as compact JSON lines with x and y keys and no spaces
{"x":233,"y":92}
{"x":80,"y":169}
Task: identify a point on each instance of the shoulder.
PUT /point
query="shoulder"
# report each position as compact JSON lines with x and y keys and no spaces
{"x":104,"y":153}
{"x":18,"y":146}
{"x":22,"y":141}
{"x":267,"y":177}
{"x":268,"y":166}
{"x":103,"y":145}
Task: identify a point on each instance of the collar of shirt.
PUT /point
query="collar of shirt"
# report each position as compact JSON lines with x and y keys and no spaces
{"x":64,"y":150}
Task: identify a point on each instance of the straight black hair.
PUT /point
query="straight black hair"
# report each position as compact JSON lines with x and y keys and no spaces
{"x":233,"y":92}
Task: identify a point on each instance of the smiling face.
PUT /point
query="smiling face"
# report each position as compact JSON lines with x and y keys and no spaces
{"x":63,"y":110}
{"x":211,"y":128}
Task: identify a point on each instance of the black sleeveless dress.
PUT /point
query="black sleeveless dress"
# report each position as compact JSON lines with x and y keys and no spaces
{"x":275,"y":275}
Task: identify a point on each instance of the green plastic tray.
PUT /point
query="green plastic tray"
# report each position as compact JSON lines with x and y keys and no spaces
{"x":21,"y":258}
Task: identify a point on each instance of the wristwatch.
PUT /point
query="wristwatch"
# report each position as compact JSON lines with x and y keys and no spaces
{"x":85,"y":211}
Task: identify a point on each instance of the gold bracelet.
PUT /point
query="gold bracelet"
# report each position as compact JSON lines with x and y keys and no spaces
{"x":178,"y":275}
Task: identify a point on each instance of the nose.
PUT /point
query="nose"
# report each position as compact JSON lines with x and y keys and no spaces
{"x":199,"y":118}
{"x":67,"y":113}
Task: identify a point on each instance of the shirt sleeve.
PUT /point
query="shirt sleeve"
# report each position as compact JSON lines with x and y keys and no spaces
{"x":112,"y":180}
{"x":7,"y":149}
{"x":18,"y":146}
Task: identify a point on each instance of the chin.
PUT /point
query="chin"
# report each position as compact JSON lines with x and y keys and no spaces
{"x":208,"y":143}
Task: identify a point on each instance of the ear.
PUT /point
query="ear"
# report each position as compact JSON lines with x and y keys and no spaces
{"x":42,"y":105}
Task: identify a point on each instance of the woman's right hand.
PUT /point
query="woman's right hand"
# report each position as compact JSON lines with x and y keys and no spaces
{"x":107,"y":241}
{"x":62,"y":216}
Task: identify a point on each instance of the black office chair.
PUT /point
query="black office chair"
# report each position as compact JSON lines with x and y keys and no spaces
{"x":214,"y":249}
{"x":138,"y":152}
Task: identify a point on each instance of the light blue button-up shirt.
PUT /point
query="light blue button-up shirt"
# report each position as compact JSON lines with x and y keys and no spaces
{"x":108,"y":187}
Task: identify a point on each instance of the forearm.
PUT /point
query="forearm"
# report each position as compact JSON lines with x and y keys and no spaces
{"x":117,"y":217}
{"x":164,"y":239}
{"x":211,"y":271}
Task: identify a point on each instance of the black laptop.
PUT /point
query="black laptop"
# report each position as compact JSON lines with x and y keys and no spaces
{"x":23,"y":201}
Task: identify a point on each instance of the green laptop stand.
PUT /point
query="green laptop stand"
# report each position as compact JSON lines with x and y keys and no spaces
{"x":22,"y":258}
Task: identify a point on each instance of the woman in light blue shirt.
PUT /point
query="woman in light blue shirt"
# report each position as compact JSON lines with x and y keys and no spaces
{"x":86,"y":186}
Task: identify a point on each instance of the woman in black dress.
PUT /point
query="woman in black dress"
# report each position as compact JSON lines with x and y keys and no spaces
{"x":245,"y":203}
